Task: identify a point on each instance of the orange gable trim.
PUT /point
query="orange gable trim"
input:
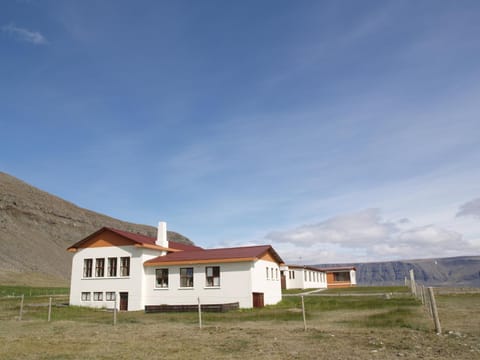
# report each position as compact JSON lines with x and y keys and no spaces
{"x":156,"y":247}
{"x":106,"y":239}
{"x":268,"y":257}
{"x":194,"y":262}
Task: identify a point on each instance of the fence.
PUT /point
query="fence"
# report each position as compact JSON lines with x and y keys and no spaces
{"x":427,"y":296}
{"x":18,"y":306}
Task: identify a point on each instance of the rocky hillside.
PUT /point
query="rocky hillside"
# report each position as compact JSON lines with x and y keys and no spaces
{"x":37,"y":227}
{"x":456,"y":271}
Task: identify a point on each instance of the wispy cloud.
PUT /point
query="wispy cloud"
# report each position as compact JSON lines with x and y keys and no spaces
{"x":23,"y":34}
{"x":471,"y":208}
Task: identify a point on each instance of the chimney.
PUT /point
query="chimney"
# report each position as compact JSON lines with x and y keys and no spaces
{"x":162,"y":235}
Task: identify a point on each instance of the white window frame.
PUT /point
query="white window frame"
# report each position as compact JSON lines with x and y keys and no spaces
{"x":161,"y":286}
{"x":187,"y":277}
{"x":210,"y":276}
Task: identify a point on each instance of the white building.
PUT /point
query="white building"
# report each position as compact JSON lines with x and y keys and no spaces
{"x":304,"y":277}
{"x":310,"y":277}
{"x":112,"y":266}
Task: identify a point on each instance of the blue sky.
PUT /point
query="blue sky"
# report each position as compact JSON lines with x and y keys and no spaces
{"x":336,"y":131}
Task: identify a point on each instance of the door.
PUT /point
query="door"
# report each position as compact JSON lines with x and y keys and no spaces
{"x":124,"y":301}
{"x":258,"y":300}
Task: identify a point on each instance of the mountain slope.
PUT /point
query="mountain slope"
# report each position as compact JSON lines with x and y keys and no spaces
{"x":455,"y":271}
{"x":37,"y":227}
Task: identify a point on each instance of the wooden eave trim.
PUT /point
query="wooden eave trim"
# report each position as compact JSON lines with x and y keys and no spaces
{"x":273,"y":254}
{"x":194,"y":262}
{"x":72,"y":249}
{"x":156,"y":247}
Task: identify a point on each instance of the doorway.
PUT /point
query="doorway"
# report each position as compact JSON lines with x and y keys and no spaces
{"x":258,"y":300}
{"x":123,"y":301}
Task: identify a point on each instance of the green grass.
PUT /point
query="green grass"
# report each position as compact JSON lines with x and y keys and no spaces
{"x":330,"y":303}
{"x":294,"y":291}
{"x":12,"y":290}
{"x":369,"y":289}
{"x":289,"y":309}
{"x":391,"y":318}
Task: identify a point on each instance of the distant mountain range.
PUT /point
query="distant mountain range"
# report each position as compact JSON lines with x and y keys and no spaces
{"x":36,"y":228}
{"x":455,"y":271}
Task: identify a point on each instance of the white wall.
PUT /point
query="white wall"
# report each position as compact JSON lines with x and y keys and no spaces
{"x":234,"y":286}
{"x":353,"y":279}
{"x":306,"y":279}
{"x":237,"y":281}
{"x":271,"y":287}
{"x":132,"y":284}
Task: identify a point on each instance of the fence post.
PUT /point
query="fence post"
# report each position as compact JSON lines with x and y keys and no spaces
{"x":115,"y":310}
{"x":21,"y":308}
{"x":433,"y":304}
{"x":412,"y":283}
{"x":49,"y":309}
{"x":199,"y":313}
{"x":303,"y":314}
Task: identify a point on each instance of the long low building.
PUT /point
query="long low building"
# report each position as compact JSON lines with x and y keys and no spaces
{"x":310,"y":277}
{"x":134,"y":271}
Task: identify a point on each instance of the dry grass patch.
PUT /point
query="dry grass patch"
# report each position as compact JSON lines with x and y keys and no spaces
{"x":338,"y":328}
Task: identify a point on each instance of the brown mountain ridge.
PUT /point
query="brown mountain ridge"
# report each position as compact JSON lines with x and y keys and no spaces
{"x":36,"y":228}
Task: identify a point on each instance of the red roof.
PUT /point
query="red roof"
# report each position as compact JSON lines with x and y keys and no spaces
{"x":313,"y":268}
{"x":247,"y":253}
{"x":338,"y":268}
{"x":136,"y":238}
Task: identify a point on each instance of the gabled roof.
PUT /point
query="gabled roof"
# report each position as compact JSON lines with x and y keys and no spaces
{"x":137,"y":240}
{"x":223,"y":255}
{"x":338,"y":268}
{"x":312,"y":268}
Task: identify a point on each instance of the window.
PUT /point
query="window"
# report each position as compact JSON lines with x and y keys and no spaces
{"x":97,"y":296}
{"x":99,"y":267}
{"x":87,"y":268}
{"x":309,"y":276}
{"x":305,"y":272}
{"x":341,"y":276}
{"x":124,"y":266}
{"x":186,"y":277}
{"x":293,"y":274}
{"x":267,"y":272}
{"x":112,"y":266}
{"x":276,"y":274}
{"x":271,"y":272}
{"x":161,"y":276}
{"x":110,"y":296}
{"x":86,"y":296}
{"x":212,"y":276}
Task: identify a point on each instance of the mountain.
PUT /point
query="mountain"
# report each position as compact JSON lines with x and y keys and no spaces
{"x":36,"y":228}
{"x":453,"y":271}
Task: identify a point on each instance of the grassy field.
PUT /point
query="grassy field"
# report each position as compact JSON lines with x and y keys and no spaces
{"x":338,"y":327}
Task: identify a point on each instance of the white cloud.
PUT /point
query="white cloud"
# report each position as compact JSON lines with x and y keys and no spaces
{"x":22,"y":34}
{"x":471,"y":208}
{"x":429,"y":234}
{"x":365,"y":236}
{"x":364,"y":227}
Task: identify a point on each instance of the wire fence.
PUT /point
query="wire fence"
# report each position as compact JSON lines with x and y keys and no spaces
{"x":427,"y":296}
